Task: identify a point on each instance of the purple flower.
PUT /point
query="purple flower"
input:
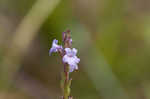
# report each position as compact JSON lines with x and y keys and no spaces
{"x":55,"y":47}
{"x":71,"y":58}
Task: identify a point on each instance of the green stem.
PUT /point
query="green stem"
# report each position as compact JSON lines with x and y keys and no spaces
{"x":66,"y":83}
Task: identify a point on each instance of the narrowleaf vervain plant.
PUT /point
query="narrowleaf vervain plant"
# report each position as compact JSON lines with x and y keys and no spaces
{"x":69,"y":60}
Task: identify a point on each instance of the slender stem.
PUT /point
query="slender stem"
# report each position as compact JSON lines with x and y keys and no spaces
{"x":66,"y":73}
{"x":66,"y":82}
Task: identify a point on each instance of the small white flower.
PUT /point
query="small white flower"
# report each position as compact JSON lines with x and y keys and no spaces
{"x":55,"y":47}
{"x":71,"y":58}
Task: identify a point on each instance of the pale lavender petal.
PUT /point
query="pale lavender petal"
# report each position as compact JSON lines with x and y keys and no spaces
{"x":74,"y":51}
{"x":71,"y":59}
{"x":70,"y":41}
{"x":71,"y":69}
{"x":76,"y":67}
{"x":68,"y":50}
{"x":77,"y":60}
{"x":55,"y":41}
{"x":65,"y":59}
{"x":50,"y":51}
{"x":55,"y":47}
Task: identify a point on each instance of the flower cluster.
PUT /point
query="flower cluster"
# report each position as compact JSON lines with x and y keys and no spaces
{"x":68,"y":54}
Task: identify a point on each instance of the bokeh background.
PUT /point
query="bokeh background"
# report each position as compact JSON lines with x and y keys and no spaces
{"x":112,"y":38}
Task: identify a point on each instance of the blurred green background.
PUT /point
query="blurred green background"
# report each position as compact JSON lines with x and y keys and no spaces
{"x":112,"y":38}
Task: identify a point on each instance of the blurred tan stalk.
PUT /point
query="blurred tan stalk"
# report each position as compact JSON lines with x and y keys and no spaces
{"x":25,"y":33}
